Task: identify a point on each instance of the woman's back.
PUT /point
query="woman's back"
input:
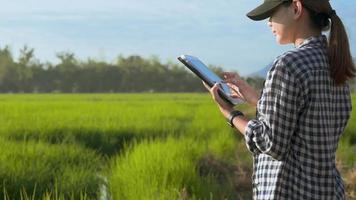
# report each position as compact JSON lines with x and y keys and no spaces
{"x":305,"y":161}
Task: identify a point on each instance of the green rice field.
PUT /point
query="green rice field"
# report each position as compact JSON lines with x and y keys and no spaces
{"x":129,"y":146}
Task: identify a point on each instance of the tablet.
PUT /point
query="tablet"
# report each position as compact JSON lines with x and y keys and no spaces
{"x":209,"y":77}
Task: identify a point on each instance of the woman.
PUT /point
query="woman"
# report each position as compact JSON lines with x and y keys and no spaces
{"x":304,"y":106}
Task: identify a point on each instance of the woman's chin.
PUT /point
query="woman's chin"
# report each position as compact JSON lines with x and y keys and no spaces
{"x":281,"y":41}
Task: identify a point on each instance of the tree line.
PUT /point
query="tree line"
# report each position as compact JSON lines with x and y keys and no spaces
{"x":27,"y":74}
{"x":127,"y":74}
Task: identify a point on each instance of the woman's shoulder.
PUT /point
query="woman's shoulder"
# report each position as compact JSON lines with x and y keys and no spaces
{"x":285,"y":61}
{"x":291,"y":57}
{"x":302,"y":60}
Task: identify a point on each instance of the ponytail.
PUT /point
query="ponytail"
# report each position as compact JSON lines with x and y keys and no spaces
{"x":342,"y":67}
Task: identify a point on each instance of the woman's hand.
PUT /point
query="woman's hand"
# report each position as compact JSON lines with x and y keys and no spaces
{"x":240,"y":88}
{"x":239,"y":122}
{"x":224,"y":107}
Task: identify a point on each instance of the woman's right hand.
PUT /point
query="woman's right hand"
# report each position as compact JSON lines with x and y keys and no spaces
{"x":240,"y":88}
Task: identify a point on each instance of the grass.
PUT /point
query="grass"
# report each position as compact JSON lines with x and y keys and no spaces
{"x":100,"y":122}
{"x":159,"y":170}
{"x":37,"y":168}
{"x":149,"y":146}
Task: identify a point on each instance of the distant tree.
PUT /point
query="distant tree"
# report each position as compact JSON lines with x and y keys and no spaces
{"x":353,"y":81}
{"x":26,"y":56}
{"x":25,"y":65}
{"x":9,"y":77}
{"x":66,"y":72}
{"x":127,"y":74}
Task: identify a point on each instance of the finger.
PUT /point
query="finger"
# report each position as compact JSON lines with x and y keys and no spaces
{"x":232,"y":91}
{"x":206,"y":86}
{"x":233,"y":87}
{"x":236,"y":96}
{"x":215,"y":88}
{"x":235,"y":91}
{"x":214,"y":91}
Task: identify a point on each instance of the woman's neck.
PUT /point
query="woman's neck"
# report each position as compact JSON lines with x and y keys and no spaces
{"x":305,"y":31}
{"x":300,"y":38}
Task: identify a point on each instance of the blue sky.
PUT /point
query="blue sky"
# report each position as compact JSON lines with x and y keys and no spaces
{"x":216,"y":31}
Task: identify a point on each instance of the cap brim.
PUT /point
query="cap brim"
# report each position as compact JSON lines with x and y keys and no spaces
{"x":264,"y":11}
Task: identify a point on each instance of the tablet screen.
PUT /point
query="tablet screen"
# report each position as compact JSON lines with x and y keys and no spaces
{"x":203,"y":69}
{"x":208,"y":76}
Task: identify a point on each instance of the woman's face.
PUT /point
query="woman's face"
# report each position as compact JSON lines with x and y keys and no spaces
{"x":282,"y":24}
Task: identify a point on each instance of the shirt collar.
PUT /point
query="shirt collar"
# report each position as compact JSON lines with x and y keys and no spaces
{"x":319,"y":40}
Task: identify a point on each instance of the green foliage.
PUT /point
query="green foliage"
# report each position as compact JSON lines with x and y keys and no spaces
{"x":349,"y":135}
{"x":193,"y":167}
{"x":100,"y":122}
{"x":55,"y":124}
{"x":352,"y":84}
{"x":36,"y":168}
{"x":127,"y":74}
{"x":158,"y":170}
{"x":148,"y":146}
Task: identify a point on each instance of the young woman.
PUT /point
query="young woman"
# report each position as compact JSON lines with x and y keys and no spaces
{"x":304,"y":106}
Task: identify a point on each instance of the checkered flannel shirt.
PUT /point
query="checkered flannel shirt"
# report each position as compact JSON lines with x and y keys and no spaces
{"x":301,"y":116}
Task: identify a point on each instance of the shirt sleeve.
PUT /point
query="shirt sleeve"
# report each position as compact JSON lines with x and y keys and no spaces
{"x":271,"y":132}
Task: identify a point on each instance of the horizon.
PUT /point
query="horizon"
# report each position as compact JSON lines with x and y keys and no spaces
{"x":166,"y":29}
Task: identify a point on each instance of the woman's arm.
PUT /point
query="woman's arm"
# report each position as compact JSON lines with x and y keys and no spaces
{"x":239,"y":122}
{"x":272,"y":131}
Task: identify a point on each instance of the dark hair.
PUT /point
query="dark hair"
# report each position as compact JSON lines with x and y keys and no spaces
{"x":324,"y":17}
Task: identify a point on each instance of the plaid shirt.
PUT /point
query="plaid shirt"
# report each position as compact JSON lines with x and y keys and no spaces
{"x":301,"y":116}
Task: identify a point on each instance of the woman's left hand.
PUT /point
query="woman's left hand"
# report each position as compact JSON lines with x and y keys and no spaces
{"x":224,"y":107}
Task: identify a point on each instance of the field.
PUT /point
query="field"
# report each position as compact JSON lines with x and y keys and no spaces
{"x":129,"y":146}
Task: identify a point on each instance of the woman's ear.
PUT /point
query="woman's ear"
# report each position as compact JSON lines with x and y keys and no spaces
{"x":298,"y":9}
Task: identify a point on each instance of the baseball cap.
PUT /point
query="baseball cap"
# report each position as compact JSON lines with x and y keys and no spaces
{"x":265,"y":10}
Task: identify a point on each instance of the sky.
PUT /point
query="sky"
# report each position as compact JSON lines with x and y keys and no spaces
{"x":218,"y":32}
